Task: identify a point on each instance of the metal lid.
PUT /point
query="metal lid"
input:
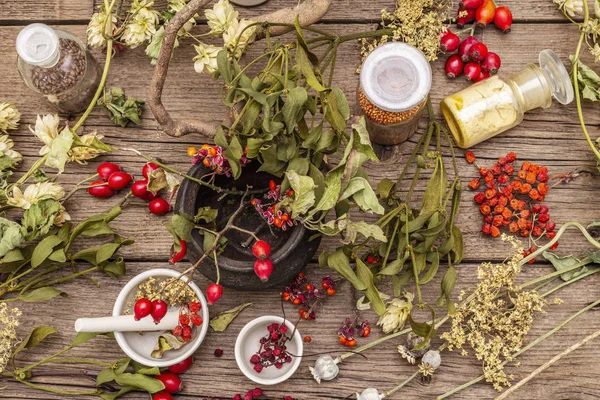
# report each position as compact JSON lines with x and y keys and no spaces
{"x":37,"y":44}
{"x":396,"y":77}
{"x":562,"y":88}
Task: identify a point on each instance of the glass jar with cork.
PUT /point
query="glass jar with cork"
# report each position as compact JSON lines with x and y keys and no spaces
{"x":395,"y":80}
{"x":56,"y":64}
{"x":495,"y":105}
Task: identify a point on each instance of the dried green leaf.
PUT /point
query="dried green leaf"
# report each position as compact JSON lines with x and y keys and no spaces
{"x":307,"y":71}
{"x":293,"y":109}
{"x":363,"y":195}
{"x":339,"y":262}
{"x":10,"y":236}
{"x":384,"y":188}
{"x":366,"y":277}
{"x":166,"y":342}
{"x":113,"y":396}
{"x":35,"y":337}
{"x":58,"y":154}
{"x":561,"y":263}
{"x":222,"y":321}
{"x":105,"y":376}
{"x":436,"y":188}
{"x":40,"y":295}
{"x":140,"y":381}
{"x":304,"y":194}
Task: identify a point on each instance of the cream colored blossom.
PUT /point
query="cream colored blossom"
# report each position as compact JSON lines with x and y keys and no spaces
{"x":9,"y":321}
{"x":596,"y":52}
{"x":570,"y":7}
{"x":176,"y":6}
{"x":206,"y":58}
{"x":81,"y":154}
{"x":34,"y":193}
{"x":143,"y":24}
{"x":46,"y":130}
{"x":98,"y":29}
{"x":396,"y":313}
{"x":9,"y":117}
{"x":237,"y":37}
{"x":6,"y":145}
{"x":221,"y":17}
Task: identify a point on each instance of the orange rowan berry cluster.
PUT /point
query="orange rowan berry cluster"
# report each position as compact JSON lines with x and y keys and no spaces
{"x":513,"y":199}
{"x":306,"y":295}
{"x":348,"y":330}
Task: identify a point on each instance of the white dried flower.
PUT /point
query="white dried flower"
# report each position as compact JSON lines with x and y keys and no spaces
{"x":46,"y":130}
{"x":81,"y":154}
{"x":143,"y":24}
{"x":6,"y":145}
{"x":596,"y":52}
{"x":9,"y":117}
{"x":369,"y":394}
{"x":9,"y":321}
{"x":206,"y":58}
{"x":176,"y":5}
{"x":570,"y":7}
{"x":34,"y":193}
{"x":396,"y":313}
{"x":98,"y":29}
{"x":221,"y":17}
{"x":237,"y":37}
{"x":325,"y":368}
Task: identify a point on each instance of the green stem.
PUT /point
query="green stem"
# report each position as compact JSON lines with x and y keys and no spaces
{"x":563,"y":284}
{"x":523,"y":350}
{"x":364,"y":35}
{"x":58,"y":391}
{"x":400,"y":386}
{"x":72,"y":276}
{"x":31,"y":170}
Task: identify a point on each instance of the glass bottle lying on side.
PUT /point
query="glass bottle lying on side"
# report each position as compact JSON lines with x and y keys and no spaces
{"x":495,"y":105}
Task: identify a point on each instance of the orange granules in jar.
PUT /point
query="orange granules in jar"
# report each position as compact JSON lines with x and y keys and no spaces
{"x":395,"y":80}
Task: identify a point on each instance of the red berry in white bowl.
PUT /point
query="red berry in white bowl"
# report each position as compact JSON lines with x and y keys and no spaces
{"x":159,"y":310}
{"x":142,"y":308}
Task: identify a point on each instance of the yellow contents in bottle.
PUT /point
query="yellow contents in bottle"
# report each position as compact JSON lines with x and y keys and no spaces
{"x":481,"y":111}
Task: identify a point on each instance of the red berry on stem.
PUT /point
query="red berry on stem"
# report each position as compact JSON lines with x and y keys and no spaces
{"x":465,"y":46}
{"x":182,"y":366}
{"x":100,"y":190}
{"x":263,"y":269}
{"x":470,"y":157}
{"x":261,"y":249}
{"x":503,"y":18}
{"x":171,"y":381}
{"x":464,"y":16}
{"x":119,"y":180}
{"x":196,"y":320}
{"x":147,"y":168}
{"x":142,"y":308}
{"x":272,"y":185}
{"x":472,"y":71}
{"x":485,"y":14}
{"x":470,"y":4}
{"x":162,"y":396}
{"x":159,"y":206}
{"x":194,"y":306}
{"x":482,"y":75}
{"x":106,"y":169}
{"x":214,"y":291}
{"x":454,"y":66}
{"x":491,"y":63}
{"x":159,"y":310}
{"x":140,"y":190}
{"x":478,"y":52}
{"x":449,"y":42}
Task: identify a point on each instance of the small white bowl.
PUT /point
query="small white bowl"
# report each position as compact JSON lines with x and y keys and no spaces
{"x":247,"y":344}
{"x":139,"y":346}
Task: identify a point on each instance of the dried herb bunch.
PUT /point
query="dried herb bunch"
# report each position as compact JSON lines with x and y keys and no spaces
{"x":498,"y":316}
{"x":415,"y":22}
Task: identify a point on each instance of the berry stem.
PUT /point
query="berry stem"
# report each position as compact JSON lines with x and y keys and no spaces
{"x":79,"y":187}
{"x":400,"y":386}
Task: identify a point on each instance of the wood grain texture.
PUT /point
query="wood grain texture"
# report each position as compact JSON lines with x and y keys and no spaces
{"x":551,"y":137}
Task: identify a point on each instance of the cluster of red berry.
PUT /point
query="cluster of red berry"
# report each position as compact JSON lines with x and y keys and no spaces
{"x":273,"y":349}
{"x":263,"y":266}
{"x":171,"y":379}
{"x":188,"y":317}
{"x":483,"y":12}
{"x":271,"y":209}
{"x":113,"y":179}
{"x":348,"y":330}
{"x":302,"y":293}
{"x":513,"y":201}
{"x":254,"y":394}
{"x":212,"y":157}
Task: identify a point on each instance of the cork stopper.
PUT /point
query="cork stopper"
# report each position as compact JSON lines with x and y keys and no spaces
{"x":38,"y":44}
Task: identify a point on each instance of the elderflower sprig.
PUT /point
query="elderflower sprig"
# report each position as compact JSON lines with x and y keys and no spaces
{"x":9,"y":321}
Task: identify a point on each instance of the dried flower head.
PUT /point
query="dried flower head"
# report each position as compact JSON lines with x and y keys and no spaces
{"x":206,"y":59}
{"x":142,"y":25}
{"x":408,"y":351}
{"x":238,"y":36}
{"x":46,"y":130}
{"x":9,"y":159}
{"x":496,"y":318}
{"x":396,"y":313}
{"x":90,"y":149}
{"x":570,"y":7}
{"x":9,"y":117}
{"x":34,"y":193}
{"x":9,"y":321}
{"x":415,"y":22}
{"x":221,"y":17}
{"x":98,"y":29}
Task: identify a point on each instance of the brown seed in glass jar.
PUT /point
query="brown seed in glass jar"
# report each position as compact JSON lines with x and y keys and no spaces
{"x":381,"y":116}
{"x":67,"y":72}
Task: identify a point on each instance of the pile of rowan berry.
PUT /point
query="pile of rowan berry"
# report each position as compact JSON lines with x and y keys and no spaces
{"x":212,"y":157}
{"x":306,"y":295}
{"x":272,"y":207}
{"x":510,"y":198}
{"x":273,"y":349}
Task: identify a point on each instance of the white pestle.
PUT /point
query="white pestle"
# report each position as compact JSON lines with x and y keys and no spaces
{"x":126,"y":323}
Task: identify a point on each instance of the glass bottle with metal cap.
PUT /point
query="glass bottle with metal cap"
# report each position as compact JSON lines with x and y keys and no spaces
{"x":57,"y":64}
{"x":495,"y":105}
{"x":395,"y":81}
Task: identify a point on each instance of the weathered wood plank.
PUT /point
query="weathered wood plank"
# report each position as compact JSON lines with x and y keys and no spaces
{"x":382,"y":369}
{"x":44,"y":10}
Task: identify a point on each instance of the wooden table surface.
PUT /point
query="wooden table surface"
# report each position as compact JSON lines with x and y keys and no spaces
{"x":552,"y":137}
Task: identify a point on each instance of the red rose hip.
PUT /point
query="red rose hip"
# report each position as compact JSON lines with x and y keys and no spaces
{"x":142,"y":308}
{"x":491,"y":63}
{"x":263,"y":269}
{"x":503,"y":19}
{"x":465,"y":46}
{"x":478,"y":52}
{"x":147,"y":168}
{"x":464,"y":16}
{"x":159,"y":206}
{"x":485,"y":14}
{"x":171,"y":381}
{"x":214,"y":291}
{"x":159,"y":310}
{"x":119,"y":180}
{"x":449,"y":42}
{"x":164,"y":395}
{"x":100,"y":190}
{"x":472,"y":71}
{"x":140,"y":190}
{"x":106,"y":169}
{"x":470,"y":4}
{"x":454,"y":66}
{"x":261,"y":249}
{"x":182,"y":366}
